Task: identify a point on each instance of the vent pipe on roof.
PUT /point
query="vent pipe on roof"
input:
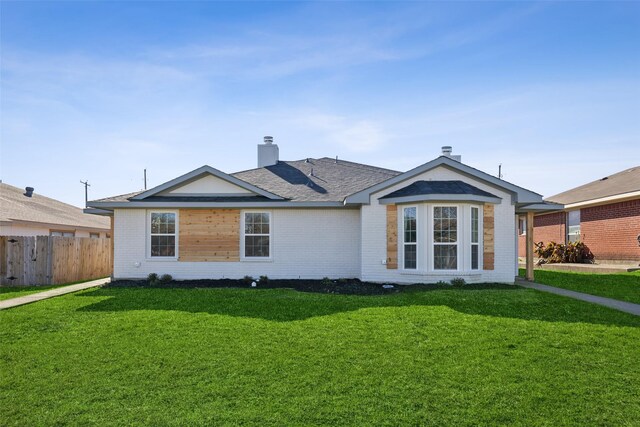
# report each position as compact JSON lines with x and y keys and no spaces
{"x":28,"y":191}
{"x":268,"y":153}
{"x":447,"y":150}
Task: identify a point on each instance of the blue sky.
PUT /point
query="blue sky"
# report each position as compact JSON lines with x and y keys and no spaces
{"x":102,"y":90}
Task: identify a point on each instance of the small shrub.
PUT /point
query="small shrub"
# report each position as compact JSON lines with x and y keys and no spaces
{"x":165,"y":278}
{"x":572,"y":252}
{"x":263,"y":280}
{"x":443,"y":283}
{"x":152,"y":278}
{"x":326,"y":281}
{"x":458,"y":281}
{"x":247,"y":279}
{"x":343,"y":281}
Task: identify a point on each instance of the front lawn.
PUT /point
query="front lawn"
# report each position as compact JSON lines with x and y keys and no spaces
{"x":122,"y":356}
{"x":622,"y":286}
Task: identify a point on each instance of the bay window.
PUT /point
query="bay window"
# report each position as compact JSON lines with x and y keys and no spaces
{"x":440,"y":238}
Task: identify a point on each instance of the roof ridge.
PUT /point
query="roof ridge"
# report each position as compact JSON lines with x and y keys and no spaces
{"x":356,"y":164}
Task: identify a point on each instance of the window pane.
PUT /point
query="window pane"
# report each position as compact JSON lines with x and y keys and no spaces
{"x":445,"y":225}
{"x":410,"y":225}
{"x":156,"y":219}
{"x":474,"y":257}
{"x":256,"y":246}
{"x":573,"y":218}
{"x":410,"y":256}
{"x":163,"y":246}
{"x":445,"y":257}
{"x":474,"y":225}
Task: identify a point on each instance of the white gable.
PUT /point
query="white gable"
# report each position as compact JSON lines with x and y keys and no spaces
{"x":208,"y":184}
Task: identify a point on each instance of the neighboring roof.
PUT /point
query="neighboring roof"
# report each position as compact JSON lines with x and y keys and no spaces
{"x":521,"y":195}
{"x":440,"y":190}
{"x":15,"y":206}
{"x":331,"y":180}
{"x":620,"y":183}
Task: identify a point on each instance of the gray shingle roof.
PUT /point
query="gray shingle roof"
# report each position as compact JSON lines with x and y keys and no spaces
{"x":420,"y":188}
{"x":331,"y":181}
{"x":14,"y":206}
{"x":622,"y":182}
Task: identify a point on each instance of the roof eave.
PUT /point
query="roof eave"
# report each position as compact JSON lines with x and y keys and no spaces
{"x":440,"y":198}
{"x":186,"y":204}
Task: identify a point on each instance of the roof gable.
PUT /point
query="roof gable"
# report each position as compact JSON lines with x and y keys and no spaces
{"x":207,"y":184}
{"x":520,"y":194}
{"x":204,"y":178}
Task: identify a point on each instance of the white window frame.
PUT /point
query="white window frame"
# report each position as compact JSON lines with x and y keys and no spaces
{"x":432,"y":240}
{"x":149,"y":234}
{"x":522,"y":226}
{"x":579,"y":226}
{"x":61,"y":233}
{"x":243,"y":257}
{"x":479,"y":243}
{"x":416,"y":243}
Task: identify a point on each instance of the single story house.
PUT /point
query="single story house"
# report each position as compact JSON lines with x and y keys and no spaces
{"x":26,"y":213}
{"x":315,"y":218}
{"x":604,"y":214}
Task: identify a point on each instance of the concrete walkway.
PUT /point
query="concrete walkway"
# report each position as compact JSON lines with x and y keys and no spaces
{"x":627,"y":307}
{"x":27,"y":299}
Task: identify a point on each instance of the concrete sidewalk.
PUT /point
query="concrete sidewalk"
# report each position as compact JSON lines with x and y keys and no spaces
{"x":27,"y":299}
{"x":627,"y":307}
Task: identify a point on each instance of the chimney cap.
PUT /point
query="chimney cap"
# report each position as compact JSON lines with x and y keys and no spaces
{"x":268,"y":140}
{"x":446,"y":150}
{"x":28,"y":191}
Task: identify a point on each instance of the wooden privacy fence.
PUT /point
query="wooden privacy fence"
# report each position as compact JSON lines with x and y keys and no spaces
{"x":49,"y":260}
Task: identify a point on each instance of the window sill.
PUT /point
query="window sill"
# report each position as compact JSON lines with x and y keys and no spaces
{"x":256,"y":259}
{"x":159,"y":259}
{"x":452,"y":273}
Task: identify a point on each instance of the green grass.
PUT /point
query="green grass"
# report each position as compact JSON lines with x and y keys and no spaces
{"x":134,"y":356}
{"x":20,"y":291}
{"x":622,"y":286}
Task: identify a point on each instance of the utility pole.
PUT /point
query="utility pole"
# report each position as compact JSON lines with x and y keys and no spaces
{"x":86,"y":191}
{"x":145,"y":178}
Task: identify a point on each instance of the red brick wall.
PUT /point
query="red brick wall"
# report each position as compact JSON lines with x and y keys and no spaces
{"x":611,"y":231}
{"x":547,"y":228}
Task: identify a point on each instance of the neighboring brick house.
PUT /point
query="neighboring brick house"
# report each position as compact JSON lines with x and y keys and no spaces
{"x":604,"y":214}
{"x":26,"y":213}
{"x":325,"y":217}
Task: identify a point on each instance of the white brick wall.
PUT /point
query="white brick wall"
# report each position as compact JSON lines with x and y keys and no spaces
{"x":374,"y":243}
{"x":314,"y":243}
{"x":307,"y":243}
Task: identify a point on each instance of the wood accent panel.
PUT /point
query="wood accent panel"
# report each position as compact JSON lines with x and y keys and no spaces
{"x":392,"y":237}
{"x":209,"y":235}
{"x":488,"y":253}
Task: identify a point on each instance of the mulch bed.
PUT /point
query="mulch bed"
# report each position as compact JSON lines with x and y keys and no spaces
{"x":341,"y":286}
